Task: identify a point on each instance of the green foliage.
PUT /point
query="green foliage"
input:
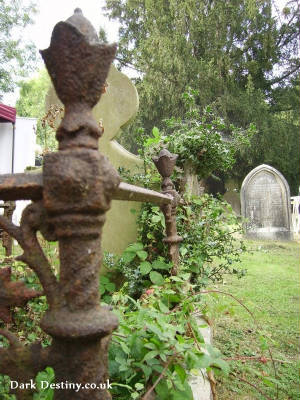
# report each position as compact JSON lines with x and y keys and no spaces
{"x":4,"y":388}
{"x":153,"y":339}
{"x":200,"y":139}
{"x":138,"y":273}
{"x":17,"y":57}
{"x":158,"y":334}
{"x":32,"y":95}
{"x":158,"y":342}
{"x":106,"y":288}
{"x":277,"y":123}
{"x":32,"y":104}
{"x":44,"y":393}
{"x":210,"y":232}
{"x":211,"y":246}
{"x":242,"y":57}
{"x":209,"y":228}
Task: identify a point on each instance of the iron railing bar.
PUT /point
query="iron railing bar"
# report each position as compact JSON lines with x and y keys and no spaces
{"x":29,"y":186}
{"x":21,"y":186}
{"x":128,"y":192}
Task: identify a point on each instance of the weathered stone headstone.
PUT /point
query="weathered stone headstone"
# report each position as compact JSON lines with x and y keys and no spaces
{"x":265,"y":202}
{"x":117,"y":107}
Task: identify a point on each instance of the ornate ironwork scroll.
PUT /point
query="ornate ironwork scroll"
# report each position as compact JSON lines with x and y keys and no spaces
{"x":9,"y":208}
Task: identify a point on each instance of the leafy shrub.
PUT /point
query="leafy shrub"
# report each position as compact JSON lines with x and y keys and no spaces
{"x":210,"y":248}
{"x":211,"y":239}
{"x":201,"y":139}
{"x":207,"y":225}
{"x":159,"y":343}
{"x":138,"y":269}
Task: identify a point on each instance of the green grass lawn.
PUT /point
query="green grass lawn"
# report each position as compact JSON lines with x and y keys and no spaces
{"x":271,"y":291}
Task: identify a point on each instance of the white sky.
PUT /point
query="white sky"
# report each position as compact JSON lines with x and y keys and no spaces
{"x":52,"y":11}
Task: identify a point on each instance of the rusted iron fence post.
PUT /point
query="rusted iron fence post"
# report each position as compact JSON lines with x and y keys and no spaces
{"x":78,"y":186}
{"x":71,"y":201}
{"x":165,"y":163}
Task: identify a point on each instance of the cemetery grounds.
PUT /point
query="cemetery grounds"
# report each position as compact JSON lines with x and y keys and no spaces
{"x":263,"y":347}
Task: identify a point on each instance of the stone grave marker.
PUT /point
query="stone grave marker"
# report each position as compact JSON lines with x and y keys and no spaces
{"x":265,"y":203}
{"x":116,"y":108}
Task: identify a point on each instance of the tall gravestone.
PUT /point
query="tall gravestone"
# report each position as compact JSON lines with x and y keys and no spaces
{"x":265,"y":203}
{"x":115,"y":110}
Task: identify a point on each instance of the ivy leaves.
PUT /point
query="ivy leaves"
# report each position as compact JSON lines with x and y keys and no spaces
{"x":135,"y":249}
{"x":156,"y":278}
{"x":201,"y":139}
{"x":155,"y":346}
{"x":135,"y":256}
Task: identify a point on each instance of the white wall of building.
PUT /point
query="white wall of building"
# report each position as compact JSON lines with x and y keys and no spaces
{"x":6,"y":134}
{"x":25,"y":140}
{"x":24,"y":152}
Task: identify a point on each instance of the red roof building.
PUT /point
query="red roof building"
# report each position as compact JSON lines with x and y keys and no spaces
{"x":7,"y":114}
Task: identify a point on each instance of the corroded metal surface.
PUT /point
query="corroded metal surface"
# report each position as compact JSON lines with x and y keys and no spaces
{"x":78,"y":65}
{"x":30,"y":186}
{"x":125,"y":191}
{"x":165,"y":163}
{"x":22,"y":186}
{"x":78,"y":183}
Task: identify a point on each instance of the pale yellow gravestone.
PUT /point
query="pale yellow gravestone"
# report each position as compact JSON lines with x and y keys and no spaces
{"x":116,"y":108}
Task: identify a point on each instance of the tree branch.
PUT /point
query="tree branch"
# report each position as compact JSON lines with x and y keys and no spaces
{"x":251,"y":384}
{"x":145,"y":397}
{"x":231,"y":295}
{"x":281,"y":78}
{"x":286,"y":25}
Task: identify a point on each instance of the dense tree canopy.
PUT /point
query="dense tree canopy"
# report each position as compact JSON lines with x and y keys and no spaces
{"x":240,"y":54}
{"x":15,"y":56}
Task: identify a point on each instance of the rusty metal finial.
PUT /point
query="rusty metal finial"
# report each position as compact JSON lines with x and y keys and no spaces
{"x":165,"y":163}
{"x":78,"y":66}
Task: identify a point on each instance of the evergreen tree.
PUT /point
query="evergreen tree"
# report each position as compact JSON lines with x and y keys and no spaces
{"x":240,"y":54}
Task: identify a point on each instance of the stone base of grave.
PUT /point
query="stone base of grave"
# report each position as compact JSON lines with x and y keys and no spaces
{"x":271,"y":233}
{"x":200,"y":384}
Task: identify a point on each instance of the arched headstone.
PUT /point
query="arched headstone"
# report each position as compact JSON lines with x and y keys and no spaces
{"x":116,"y":108}
{"x":265,"y":203}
